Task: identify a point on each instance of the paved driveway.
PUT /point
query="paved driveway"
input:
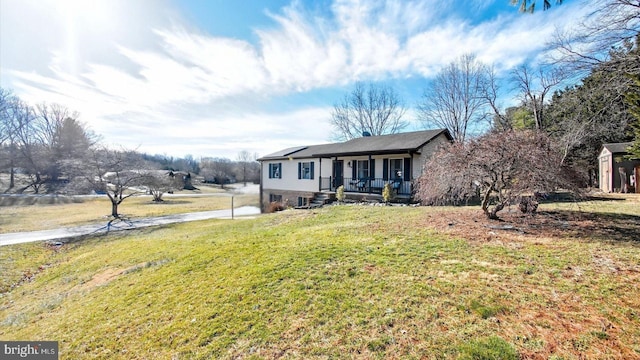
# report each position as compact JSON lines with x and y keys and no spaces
{"x":63,"y":233}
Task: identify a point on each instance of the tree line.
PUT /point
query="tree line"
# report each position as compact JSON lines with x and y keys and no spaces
{"x":41,"y":143}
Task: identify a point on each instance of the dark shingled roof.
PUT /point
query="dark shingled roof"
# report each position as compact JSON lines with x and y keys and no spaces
{"x":287,"y":151}
{"x":382,"y":144}
{"x":617,"y":147}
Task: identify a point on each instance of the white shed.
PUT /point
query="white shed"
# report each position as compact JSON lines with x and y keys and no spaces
{"x":614,"y":167}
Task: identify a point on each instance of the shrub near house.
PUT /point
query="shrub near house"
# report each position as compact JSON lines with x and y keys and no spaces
{"x":500,"y":168}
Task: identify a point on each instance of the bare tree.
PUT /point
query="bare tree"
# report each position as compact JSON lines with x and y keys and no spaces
{"x":118,"y":174}
{"x":14,"y":115}
{"x":457,"y":97}
{"x":498,"y":168}
{"x":375,"y":109}
{"x":254,"y":168}
{"x":6,"y":100}
{"x":610,"y":24}
{"x":51,"y":118}
{"x":216,"y":170}
{"x":191,"y":165}
{"x":160,"y":182}
{"x":5,"y":97}
{"x":500,"y":119}
{"x":30,"y":149}
{"x":47,"y":139}
{"x":244,"y":160}
{"x":534,"y":87}
{"x":40,"y":141}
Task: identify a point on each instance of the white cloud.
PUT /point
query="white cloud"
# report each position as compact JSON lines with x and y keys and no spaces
{"x":221,"y":66}
{"x":145,"y":90}
{"x":224,"y":135}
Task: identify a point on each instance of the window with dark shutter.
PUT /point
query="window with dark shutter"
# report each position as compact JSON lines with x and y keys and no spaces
{"x":385,"y":169}
{"x":362,"y":167}
{"x":396,"y":169}
{"x":275,"y":171}
{"x":407,"y":169}
{"x":305,"y":170}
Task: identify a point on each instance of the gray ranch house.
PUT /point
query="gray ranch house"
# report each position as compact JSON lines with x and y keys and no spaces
{"x":300,"y":176}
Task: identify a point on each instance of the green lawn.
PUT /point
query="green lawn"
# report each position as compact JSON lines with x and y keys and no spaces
{"x":338,"y":282}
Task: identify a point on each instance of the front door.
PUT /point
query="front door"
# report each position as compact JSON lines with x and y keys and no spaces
{"x":338,"y":173}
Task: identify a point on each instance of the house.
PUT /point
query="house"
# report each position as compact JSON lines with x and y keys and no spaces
{"x":613,"y":163}
{"x":184,"y":178}
{"x":363,"y":166}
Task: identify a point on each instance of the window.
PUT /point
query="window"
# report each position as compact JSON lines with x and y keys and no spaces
{"x":303,"y":201}
{"x":305,"y":170}
{"x":275,"y":171}
{"x":395,"y":169}
{"x":362,"y":168}
{"x":275,"y":198}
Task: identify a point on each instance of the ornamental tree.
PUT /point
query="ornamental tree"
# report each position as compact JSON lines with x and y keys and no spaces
{"x":498,"y":169}
{"x":118,"y":174}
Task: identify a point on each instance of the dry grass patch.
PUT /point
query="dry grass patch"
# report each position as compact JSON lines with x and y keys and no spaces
{"x":75,"y":211}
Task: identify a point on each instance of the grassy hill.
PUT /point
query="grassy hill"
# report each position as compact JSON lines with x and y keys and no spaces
{"x":338,"y":282}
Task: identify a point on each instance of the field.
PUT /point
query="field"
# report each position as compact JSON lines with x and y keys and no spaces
{"x":31,"y":213}
{"x":340,"y":282}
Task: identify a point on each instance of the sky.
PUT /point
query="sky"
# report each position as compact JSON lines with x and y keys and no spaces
{"x":212,"y":78}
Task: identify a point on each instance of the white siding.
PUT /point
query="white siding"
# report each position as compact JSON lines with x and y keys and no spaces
{"x":348,"y":170}
{"x":326,"y":169}
{"x":289,"y":180}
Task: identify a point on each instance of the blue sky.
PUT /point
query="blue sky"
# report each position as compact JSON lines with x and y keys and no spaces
{"x":215,"y":77}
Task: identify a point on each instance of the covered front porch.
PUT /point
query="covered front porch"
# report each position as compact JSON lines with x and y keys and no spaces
{"x":399,"y":186}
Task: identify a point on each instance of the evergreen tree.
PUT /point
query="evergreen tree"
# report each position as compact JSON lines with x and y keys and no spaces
{"x":583,"y":117}
{"x":530,"y":6}
{"x":632,"y":99}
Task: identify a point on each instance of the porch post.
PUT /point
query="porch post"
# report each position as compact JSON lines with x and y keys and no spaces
{"x":410,"y":172}
{"x":320,"y":175}
{"x":332,"y":182}
{"x":262,"y":207}
{"x":370,"y":177}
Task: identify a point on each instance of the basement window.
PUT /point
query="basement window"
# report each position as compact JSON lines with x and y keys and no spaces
{"x":303,"y":201}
